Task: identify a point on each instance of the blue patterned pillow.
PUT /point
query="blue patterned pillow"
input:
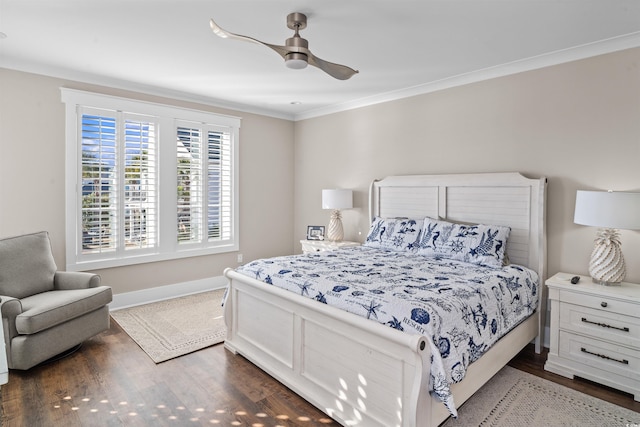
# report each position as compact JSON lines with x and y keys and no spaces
{"x":476,"y":244}
{"x":396,"y":234}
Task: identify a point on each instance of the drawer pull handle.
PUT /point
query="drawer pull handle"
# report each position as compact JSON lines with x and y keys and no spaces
{"x":603,"y":304}
{"x":602,"y":356}
{"x":604,"y":325}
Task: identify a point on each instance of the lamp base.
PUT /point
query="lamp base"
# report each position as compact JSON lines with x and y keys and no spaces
{"x":607,"y":266}
{"x":335,"y":232}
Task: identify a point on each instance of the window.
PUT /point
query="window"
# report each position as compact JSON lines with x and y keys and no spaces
{"x":147,"y":182}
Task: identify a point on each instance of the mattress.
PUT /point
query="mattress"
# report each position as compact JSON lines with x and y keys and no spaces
{"x":463,"y":308}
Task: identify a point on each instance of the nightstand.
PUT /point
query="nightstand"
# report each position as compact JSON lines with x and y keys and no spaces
{"x":595,"y":332}
{"x":309,"y":246}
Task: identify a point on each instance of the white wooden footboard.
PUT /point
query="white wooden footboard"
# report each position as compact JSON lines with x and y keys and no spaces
{"x":357,"y":371}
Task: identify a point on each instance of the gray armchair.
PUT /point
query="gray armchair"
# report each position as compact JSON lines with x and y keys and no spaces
{"x":45,"y":312}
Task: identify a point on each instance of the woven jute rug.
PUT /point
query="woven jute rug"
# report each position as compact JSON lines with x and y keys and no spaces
{"x":177,"y":326}
{"x":513,"y":398}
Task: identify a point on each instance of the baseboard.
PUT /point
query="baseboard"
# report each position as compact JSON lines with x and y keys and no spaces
{"x":146,"y":296}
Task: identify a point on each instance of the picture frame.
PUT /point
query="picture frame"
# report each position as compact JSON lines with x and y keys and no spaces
{"x":315,"y":232}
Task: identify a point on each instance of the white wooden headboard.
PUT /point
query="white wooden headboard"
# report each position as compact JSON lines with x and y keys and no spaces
{"x":508,"y":199}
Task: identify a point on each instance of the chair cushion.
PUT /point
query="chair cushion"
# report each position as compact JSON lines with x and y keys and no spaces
{"x":27,"y":266}
{"x":47,"y":309}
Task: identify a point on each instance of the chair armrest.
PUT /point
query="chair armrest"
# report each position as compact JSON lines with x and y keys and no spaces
{"x":10,"y":308}
{"x":66,"y":280}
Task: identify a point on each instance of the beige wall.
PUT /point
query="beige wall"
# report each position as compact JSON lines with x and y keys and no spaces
{"x":577,"y":124}
{"x":32,"y":156}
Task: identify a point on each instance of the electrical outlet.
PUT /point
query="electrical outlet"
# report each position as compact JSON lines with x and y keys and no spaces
{"x":239,"y":258}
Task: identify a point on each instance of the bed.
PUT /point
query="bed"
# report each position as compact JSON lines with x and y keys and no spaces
{"x":362,"y":372}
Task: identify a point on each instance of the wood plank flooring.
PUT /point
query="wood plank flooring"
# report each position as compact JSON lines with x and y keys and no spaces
{"x":110,"y":381}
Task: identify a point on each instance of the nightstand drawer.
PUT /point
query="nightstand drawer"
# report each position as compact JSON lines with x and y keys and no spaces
{"x":601,"y":303}
{"x":600,"y":355}
{"x":308,"y":247}
{"x":617,"y":328}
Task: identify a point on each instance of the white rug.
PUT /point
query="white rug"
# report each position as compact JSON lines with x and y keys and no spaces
{"x":517,"y":399}
{"x":174,"y":327}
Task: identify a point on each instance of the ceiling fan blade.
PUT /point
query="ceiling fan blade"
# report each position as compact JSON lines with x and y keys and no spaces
{"x":340,"y":72}
{"x":220,"y":32}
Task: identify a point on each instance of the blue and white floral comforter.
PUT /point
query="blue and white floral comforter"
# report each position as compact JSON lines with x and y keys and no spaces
{"x":464,"y":308}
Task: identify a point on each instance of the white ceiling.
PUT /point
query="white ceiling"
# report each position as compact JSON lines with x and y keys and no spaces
{"x":400,"y":47}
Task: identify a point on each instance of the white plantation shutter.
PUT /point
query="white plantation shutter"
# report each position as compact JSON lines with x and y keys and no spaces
{"x":99,"y":189}
{"x":205,"y":184}
{"x":126,"y":161}
{"x":140,"y":184}
{"x":119,"y":210}
{"x":220,"y":186}
{"x":190,"y":185}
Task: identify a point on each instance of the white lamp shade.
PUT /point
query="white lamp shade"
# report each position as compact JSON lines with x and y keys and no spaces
{"x":608,"y":209}
{"x":337,"y":199}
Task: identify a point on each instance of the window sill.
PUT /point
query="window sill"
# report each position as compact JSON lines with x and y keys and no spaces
{"x":90,"y":265}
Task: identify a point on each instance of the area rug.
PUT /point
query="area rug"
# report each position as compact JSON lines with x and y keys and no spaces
{"x":175,"y":327}
{"x":513,"y":398}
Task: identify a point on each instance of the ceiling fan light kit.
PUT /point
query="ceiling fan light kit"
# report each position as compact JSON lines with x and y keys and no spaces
{"x":295,"y":52}
{"x":296,"y":61}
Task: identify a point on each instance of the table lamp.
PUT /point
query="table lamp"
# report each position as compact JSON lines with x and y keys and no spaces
{"x":609,"y":210}
{"x":336,"y":200}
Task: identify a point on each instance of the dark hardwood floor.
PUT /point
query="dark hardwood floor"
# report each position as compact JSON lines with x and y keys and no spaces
{"x":110,"y":381}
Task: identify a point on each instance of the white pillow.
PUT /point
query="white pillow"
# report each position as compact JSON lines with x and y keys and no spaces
{"x":396,"y":234}
{"x":476,"y":244}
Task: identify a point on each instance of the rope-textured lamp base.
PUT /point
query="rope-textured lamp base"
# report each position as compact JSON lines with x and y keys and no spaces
{"x":607,"y":266}
{"x":335,"y":233}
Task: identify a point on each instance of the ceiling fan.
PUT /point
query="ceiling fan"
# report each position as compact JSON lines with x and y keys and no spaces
{"x":295,"y":52}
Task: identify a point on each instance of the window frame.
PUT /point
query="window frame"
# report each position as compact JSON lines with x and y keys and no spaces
{"x":168,"y":119}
